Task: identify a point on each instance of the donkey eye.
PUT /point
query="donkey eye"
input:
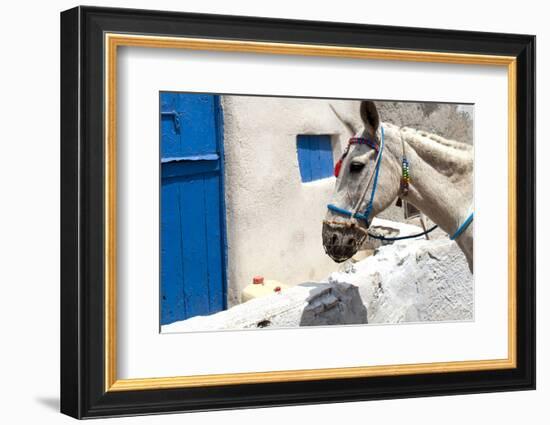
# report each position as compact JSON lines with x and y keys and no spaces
{"x":356,"y":166}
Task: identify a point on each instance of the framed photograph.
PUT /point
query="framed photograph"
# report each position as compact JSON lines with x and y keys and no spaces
{"x":261,"y":212}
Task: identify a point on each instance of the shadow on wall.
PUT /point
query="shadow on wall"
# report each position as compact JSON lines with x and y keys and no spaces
{"x":333,"y":304}
{"x":51,"y":402}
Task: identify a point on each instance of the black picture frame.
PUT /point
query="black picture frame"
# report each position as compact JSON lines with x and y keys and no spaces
{"x":83,"y":392}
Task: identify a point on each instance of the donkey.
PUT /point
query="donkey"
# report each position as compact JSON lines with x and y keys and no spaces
{"x":384,"y":162}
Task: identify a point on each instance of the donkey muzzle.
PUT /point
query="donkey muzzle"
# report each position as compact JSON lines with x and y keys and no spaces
{"x":342,"y":240}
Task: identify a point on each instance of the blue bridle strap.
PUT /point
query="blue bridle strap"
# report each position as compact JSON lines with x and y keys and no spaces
{"x":346,"y":212}
{"x":376,"y":172}
{"x":463,"y":226}
{"x":365,"y":216}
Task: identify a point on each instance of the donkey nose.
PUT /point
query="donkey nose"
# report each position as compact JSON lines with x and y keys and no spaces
{"x":340,"y":242}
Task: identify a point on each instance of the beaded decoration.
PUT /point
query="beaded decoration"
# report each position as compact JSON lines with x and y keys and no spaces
{"x":405,"y":177}
{"x":364,"y":141}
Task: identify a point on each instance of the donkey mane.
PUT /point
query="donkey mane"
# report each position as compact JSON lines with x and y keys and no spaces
{"x":449,"y":157}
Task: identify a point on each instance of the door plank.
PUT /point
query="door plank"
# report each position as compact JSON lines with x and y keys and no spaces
{"x":193,"y":234}
{"x":215,"y":253}
{"x":173,"y":305}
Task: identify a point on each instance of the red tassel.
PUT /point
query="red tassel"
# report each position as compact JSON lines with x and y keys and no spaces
{"x":337,"y":168}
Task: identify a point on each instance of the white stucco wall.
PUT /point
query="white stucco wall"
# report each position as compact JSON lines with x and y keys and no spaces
{"x":273,"y":219}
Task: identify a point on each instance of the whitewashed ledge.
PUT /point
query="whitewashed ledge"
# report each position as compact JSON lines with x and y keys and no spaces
{"x":417,"y":281}
{"x":306,"y":304}
{"x":407,"y":281}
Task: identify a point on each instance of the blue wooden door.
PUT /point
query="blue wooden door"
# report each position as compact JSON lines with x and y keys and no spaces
{"x":192,"y":207}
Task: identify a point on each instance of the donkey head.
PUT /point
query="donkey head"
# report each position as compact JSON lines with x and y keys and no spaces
{"x":357,"y":177}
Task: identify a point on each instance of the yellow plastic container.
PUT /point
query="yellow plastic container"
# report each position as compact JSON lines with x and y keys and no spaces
{"x":261,"y":287}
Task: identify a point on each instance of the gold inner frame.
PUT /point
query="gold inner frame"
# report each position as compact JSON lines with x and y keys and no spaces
{"x":113,"y":41}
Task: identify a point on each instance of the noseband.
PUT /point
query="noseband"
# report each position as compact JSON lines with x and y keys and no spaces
{"x":372,"y":178}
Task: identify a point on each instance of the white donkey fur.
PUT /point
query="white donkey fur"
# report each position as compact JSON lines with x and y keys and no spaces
{"x":441,"y":174}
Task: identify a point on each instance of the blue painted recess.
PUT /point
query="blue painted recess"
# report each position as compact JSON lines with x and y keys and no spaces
{"x":315,"y":157}
{"x":193,"y":278}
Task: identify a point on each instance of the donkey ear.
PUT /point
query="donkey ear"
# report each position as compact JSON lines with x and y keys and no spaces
{"x":370,"y":117}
